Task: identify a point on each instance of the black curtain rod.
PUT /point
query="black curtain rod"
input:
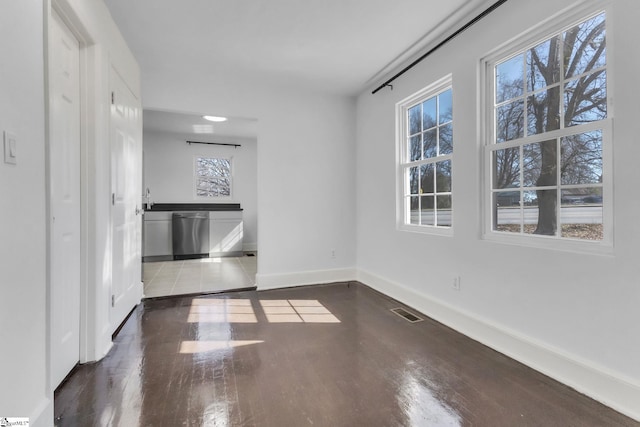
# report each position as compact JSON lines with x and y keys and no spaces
{"x":214,"y":143}
{"x":442,"y":43}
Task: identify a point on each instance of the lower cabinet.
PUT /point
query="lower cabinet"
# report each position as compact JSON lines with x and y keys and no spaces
{"x":157,"y":236}
{"x":225,"y":233}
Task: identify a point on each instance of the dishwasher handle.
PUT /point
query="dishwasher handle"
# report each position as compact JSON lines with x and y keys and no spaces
{"x":191,"y":215}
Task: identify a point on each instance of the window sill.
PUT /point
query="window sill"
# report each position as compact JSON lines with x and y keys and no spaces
{"x":426,"y":229}
{"x":551,"y":243}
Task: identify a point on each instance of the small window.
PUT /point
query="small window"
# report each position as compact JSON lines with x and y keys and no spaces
{"x":425,"y":136}
{"x":212,"y":177}
{"x":549,"y":135}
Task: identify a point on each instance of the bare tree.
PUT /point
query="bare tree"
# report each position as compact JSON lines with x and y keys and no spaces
{"x":579,"y":54}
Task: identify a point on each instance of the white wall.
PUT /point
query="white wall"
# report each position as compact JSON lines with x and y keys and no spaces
{"x":572,"y":315}
{"x":306,"y":198}
{"x":169,"y":174}
{"x":23,"y":290}
{"x":24,"y":360}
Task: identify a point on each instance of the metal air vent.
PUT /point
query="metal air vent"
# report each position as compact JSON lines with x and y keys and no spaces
{"x":408,"y":316}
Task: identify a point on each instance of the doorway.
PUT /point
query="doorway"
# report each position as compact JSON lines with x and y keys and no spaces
{"x":176,"y":145}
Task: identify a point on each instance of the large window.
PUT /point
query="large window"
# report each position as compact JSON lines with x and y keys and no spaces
{"x":426,"y":148}
{"x":548,"y":135}
{"x":212,"y":177}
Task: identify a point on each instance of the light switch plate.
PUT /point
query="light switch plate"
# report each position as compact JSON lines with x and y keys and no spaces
{"x":10,"y":143}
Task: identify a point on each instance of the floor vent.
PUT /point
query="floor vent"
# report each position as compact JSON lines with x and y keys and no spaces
{"x":410,"y":317}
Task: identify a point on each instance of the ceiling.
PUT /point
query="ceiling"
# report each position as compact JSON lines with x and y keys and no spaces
{"x":331,"y":45}
{"x":193,"y":124}
{"x":337,"y":46}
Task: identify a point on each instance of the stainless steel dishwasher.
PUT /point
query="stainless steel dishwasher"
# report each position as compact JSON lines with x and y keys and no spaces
{"x":190,"y":235}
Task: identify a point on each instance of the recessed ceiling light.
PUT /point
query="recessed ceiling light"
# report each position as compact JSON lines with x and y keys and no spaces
{"x":215,"y":118}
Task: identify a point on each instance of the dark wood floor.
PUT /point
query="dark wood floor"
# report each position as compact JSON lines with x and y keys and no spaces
{"x":330,"y":355}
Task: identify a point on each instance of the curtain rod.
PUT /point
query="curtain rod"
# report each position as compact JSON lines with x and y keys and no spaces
{"x":442,"y":43}
{"x":214,"y":143}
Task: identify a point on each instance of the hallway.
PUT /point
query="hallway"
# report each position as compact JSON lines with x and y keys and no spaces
{"x":325,"y":355}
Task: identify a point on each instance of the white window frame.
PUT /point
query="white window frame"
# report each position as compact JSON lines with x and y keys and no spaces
{"x":195,"y":177}
{"x":402,"y":181}
{"x":557,"y":24}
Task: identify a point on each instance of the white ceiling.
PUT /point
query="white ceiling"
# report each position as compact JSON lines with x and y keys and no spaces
{"x":193,"y":124}
{"x":334,"y":45}
{"x":339,"y":46}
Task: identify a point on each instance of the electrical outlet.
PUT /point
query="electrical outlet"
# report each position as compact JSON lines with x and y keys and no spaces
{"x":333,"y":253}
{"x":456,"y":283}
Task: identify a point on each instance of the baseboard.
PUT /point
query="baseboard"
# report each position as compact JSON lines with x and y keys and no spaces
{"x":275,"y":281}
{"x":597,"y":382}
{"x":42,"y":415}
{"x":157,"y":258}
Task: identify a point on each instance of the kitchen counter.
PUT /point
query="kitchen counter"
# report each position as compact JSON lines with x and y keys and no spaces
{"x":168,"y":207}
{"x":224,"y":223}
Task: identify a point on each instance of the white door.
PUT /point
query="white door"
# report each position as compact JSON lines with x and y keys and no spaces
{"x":126,"y":184}
{"x":64,"y":193}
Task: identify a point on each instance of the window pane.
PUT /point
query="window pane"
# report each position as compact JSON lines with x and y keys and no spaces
{"x":543,"y":65}
{"x":581,"y":214}
{"x":446,"y":139}
{"x":547,"y":213}
{"x":543,"y":111}
{"x":415,"y":147}
{"x":530,"y":211}
{"x":213,"y":177}
{"x":426,"y":178}
{"x":530,"y":198}
{"x":444,"y":211}
{"x":213,"y":167}
{"x":445,"y":107}
{"x":414,"y":210}
{"x":428,"y":134}
{"x":414,"y":179}
{"x":506,"y":168}
{"x":540,"y":164}
{"x":213,"y":183}
{"x":507,"y":213}
{"x":427,"y":212}
{"x":582,"y":196}
{"x":430,"y":143}
{"x":582,"y":158}
{"x":443,"y":176}
{"x":429,"y":113}
{"x":509,"y":75}
{"x":224,"y":166}
{"x":510,"y":121}
{"x":585,"y":46}
{"x":554,"y":87}
{"x":585,"y":99}
{"x":415,"y":122}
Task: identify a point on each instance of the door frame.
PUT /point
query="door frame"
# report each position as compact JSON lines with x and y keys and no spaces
{"x":77,"y":182}
{"x":98,"y":53}
{"x":90,"y":122}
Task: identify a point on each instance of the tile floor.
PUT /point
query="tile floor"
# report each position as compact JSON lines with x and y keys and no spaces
{"x":198,"y":276}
